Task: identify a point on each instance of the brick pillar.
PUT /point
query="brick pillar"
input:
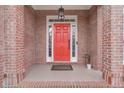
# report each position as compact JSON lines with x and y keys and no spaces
{"x":117,"y":45}
{"x":14,"y":45}
{"x":1,"y":43}
{"x":112,"y":45}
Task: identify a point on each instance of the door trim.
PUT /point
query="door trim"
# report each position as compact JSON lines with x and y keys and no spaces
{"x":72,"y":23}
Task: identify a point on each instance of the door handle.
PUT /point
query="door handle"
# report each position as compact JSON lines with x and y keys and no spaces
{"x":69,"y":44}
{"x":77,"y":42}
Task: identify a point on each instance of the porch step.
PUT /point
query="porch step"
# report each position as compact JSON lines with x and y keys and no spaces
{"x":63,"y":84}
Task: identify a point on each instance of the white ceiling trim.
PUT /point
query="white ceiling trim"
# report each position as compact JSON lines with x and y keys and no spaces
{"x":66,"y":7}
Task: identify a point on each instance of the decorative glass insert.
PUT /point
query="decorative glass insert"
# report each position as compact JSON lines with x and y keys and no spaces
{"x":65,"y":20}
{"x":50,"y":41}
{"x":73,"y":41}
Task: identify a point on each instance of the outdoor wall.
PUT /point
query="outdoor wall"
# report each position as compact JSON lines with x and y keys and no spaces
{"x":106,"y":45}
{"x":41,"y":33}
{"x":117,"y":45}
{"x":123,"y":46}
{"x":1,"y":43}
{"x":92,"y":37}
{"x":99,"y":36}
{"x":17,"y":41}
{"x":14,"y":45}
{"x":29,"y":36}
{"x":112,"y":45}
{"x":95,"y":36}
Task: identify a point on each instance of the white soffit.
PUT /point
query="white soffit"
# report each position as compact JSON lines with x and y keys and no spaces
{"x":66,"y":7}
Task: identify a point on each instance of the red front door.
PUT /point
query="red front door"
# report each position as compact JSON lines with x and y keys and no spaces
{"x":61,"y":42}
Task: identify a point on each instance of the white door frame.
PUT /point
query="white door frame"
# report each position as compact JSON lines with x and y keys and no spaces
{"x":73,"y":25}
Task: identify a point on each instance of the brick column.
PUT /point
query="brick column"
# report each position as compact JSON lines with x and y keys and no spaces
{"x":1,"y":43}
{"x":14,"y":45}
{"x":117,"y":45}
{"x":112,"y":45}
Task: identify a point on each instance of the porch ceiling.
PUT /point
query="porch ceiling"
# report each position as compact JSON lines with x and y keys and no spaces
{"x":66,"y":7}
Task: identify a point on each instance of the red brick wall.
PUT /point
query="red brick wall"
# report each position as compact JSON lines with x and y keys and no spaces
{"x":95,"y":36}
{"x":14,"y":45}
{"x":29,"y":36}
{"x":99,"y":36}
{"x":105,"y":36}
{"x":41,"y":33}
{"x":92,"y":37}
{"x":112,"y":45}
{"x":117,"y":45}
{"x":19,"y":43}
{"x":123,"y":46}
{"x":106,"y":44}
{"x":1,"y":43}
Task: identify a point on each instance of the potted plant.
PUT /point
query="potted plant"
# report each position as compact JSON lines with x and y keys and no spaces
{"x":87,"y":59}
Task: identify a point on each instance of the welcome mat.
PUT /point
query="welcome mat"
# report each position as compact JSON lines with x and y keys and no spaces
{"x":62,"y":67}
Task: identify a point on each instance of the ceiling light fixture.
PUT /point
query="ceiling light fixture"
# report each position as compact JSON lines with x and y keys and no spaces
{"x":61,"y":15}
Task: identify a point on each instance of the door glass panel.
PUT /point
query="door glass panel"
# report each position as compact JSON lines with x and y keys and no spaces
{"x":73,"y":41}
{"x":50,"y":41}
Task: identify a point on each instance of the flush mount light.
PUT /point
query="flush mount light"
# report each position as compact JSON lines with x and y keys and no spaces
{"x":61,"y":15}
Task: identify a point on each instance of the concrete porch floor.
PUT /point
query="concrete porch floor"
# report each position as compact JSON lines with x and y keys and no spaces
{"x":43,"y":72}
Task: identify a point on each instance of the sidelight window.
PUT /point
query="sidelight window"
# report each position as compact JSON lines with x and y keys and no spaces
{"x":50,"y":41}
{"x":73,"y":41}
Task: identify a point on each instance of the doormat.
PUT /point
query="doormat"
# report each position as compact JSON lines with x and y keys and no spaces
{"x":62,"y":67}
